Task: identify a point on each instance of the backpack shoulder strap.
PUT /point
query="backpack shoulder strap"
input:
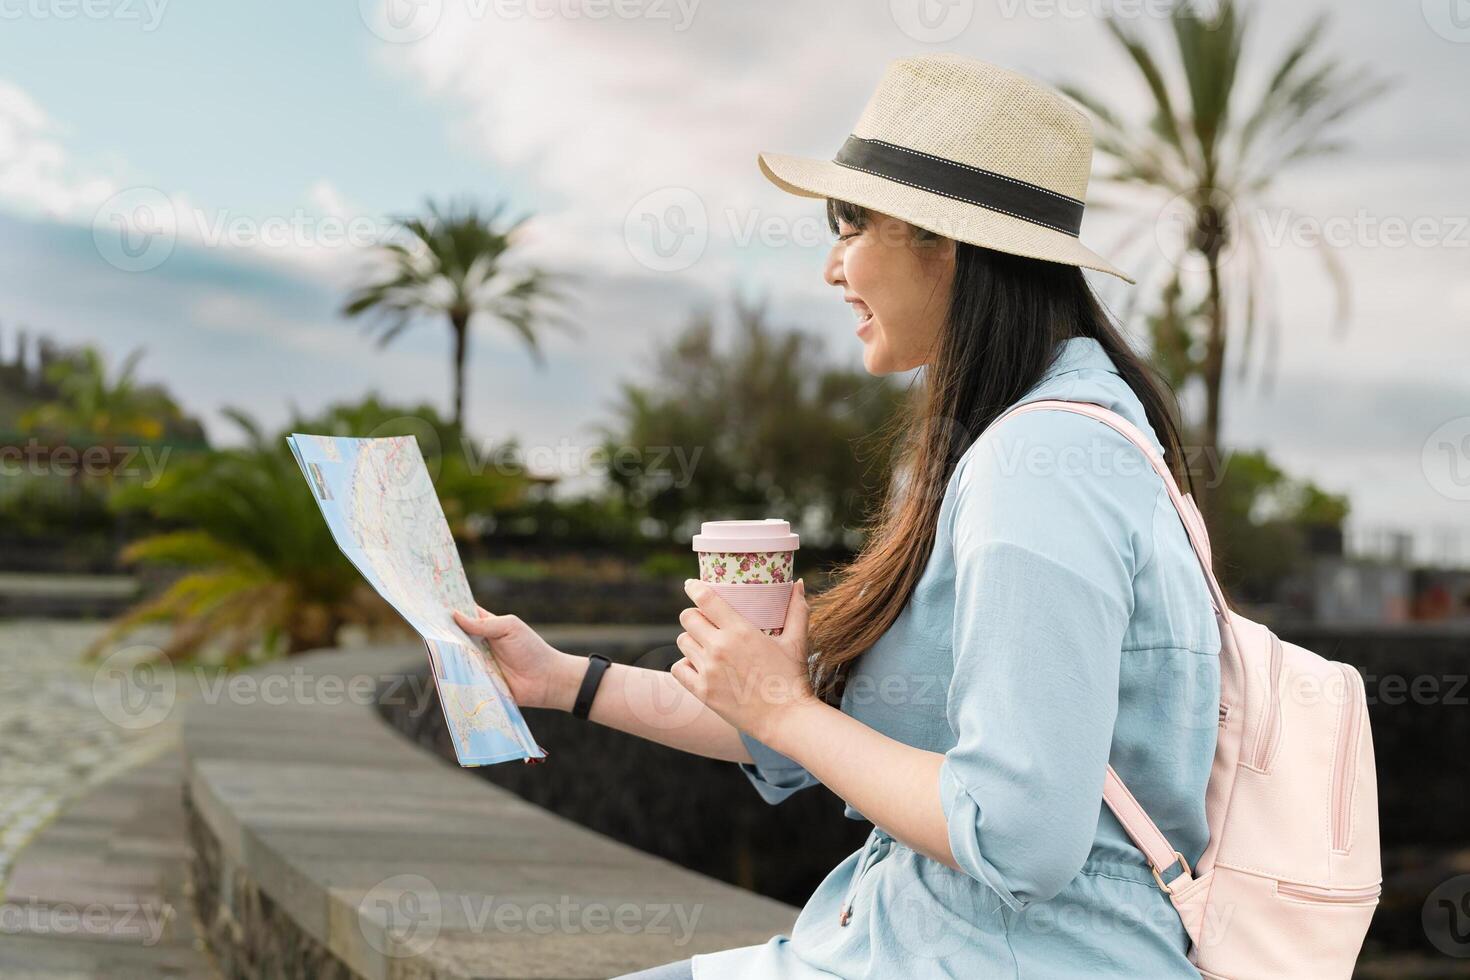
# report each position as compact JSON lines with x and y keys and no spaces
{"x":1189,"y":514}
{"x":1130,"y":813}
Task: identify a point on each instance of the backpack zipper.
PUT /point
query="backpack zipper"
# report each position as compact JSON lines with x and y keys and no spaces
{"x":1266,"y":737}
{"x":1346,"y":769}
{"x":1336,"y":896}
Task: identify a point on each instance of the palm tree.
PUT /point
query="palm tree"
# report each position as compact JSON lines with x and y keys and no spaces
{"x":1214,"y":157}
{"x":451,"y":263}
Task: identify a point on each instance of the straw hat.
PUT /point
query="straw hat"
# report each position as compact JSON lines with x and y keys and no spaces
{"x":966,"y":150}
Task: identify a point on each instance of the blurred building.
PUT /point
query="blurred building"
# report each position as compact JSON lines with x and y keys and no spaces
{"x":1376,"y":581}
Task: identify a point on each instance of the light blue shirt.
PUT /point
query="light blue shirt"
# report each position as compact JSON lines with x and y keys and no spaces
{"x":1061,"y":624}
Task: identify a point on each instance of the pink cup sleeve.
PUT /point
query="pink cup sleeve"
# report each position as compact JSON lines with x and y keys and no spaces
{"x":763,"y":604}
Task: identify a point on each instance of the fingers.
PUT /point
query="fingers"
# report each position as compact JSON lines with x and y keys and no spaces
{"x":718,"y":611}
{"x":487,"y":624}
{"x":686,"y":675}
{"x":474,"y":627}
{"x":691,"y":648}
{"x":797,"y":612}
{"x":698,"y":625}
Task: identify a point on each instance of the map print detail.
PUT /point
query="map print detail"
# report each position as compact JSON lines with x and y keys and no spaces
{"x":378,"y":500}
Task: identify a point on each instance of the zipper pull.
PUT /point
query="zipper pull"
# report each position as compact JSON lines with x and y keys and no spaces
{"x":846,"y":916}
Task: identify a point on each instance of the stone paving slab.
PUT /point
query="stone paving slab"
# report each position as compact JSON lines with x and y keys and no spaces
{"x":101,"y":891}
{"x":31,"y":958}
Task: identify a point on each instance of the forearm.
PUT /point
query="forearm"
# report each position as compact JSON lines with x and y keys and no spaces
{"x":894,"y":785}
{"x":653,"y":705}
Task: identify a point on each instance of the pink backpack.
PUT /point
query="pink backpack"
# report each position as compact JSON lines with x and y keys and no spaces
{"x":1290,"y":877}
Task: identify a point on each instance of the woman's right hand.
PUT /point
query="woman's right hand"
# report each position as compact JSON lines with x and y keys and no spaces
{"x":539,"y":675}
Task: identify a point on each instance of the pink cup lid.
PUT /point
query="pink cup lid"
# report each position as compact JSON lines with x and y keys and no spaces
{"x":771,"y":534}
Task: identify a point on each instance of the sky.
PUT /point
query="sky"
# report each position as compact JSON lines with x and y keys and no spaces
{"x":263,"y":146}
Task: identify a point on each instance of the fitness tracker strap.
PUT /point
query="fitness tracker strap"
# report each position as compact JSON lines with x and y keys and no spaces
{"x":597,"y":665}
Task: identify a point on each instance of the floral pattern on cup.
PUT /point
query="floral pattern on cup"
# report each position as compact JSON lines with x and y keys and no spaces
{"x":745,"y":566}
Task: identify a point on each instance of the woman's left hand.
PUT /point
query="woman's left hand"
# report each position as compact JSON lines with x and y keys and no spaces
{"x":740,"y":673}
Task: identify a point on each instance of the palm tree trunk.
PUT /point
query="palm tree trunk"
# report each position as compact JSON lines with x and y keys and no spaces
{"x":459,"y":323}
{"x":1214,"y":371}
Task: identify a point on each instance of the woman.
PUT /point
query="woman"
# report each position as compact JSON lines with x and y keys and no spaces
{"x":1026,"y":612}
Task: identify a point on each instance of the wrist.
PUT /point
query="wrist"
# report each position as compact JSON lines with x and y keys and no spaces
{"x":566,"y":676}
{"x":784,"y":727}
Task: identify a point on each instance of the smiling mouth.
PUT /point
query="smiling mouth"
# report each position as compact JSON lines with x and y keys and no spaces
{"x":861,"y":311}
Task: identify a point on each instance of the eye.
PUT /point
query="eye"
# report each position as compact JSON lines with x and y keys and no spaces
{"x":851,"y":234}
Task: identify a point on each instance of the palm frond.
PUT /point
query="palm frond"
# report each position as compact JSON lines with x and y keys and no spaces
{"x":1195,"y":142}
{"x":1210,"y":55}
{"x":1164,"y":122}
{"x":189,"y":548}
{"x":1282,"y":81}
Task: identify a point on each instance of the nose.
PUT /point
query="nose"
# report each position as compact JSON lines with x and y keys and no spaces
{"x":832,"y":272}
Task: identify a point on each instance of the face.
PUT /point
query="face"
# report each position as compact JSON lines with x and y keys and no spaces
{"x":897,"y":286}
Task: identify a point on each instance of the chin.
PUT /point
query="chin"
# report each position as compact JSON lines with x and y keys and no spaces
{"x":875,"y":362}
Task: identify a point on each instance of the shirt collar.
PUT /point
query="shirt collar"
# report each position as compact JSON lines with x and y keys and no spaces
{"x":1080,"y":354}
{"x":1083,"y":371}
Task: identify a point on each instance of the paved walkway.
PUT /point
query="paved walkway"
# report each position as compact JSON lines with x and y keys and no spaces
{"x":65,"y":724}
{"x":90,"y":821}
{"x":100,"y":892}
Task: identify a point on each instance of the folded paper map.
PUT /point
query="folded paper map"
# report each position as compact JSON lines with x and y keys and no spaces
{"x":380,"y":504}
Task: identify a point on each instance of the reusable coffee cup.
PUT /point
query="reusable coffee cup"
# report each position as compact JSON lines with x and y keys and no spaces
{"x":748,"y":564}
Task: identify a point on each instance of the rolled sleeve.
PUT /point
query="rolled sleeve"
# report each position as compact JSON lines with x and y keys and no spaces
{"x":774,"y":776}
{"x":1044,"y":564}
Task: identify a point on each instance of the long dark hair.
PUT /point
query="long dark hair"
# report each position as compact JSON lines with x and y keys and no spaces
{"x":1007,"y":318}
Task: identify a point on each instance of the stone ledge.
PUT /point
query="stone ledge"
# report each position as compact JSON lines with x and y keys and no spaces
{"x":309,"y":813}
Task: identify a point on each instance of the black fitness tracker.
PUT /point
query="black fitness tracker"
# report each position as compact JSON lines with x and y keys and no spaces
{"x":597,"y":665}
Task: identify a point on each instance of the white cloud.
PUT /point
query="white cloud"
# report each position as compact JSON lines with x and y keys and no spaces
{"x":601,"y":113}
{"x":36,"y":175}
